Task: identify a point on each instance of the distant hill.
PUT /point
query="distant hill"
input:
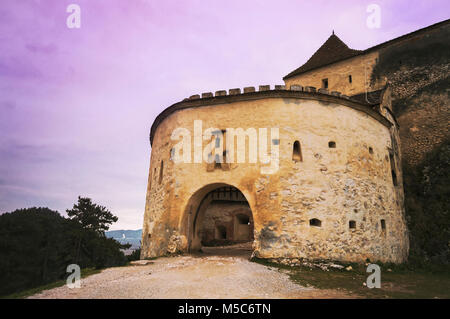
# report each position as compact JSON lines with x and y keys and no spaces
{"x":132,"y":237}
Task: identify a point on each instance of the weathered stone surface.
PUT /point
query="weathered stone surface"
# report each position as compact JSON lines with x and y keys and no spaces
{"x":296,"y":87}
{"x":221,"y":93}
{"x":349,"y":184}
{"x":424,"y":125}
{"x":206,"y":95}
{"x":235,"y":91}
{"x":249,"y":89}
{"x":358,"y":67}
{"x":425,"y":119}
{"x":310,"y":89}
{"x":177,"y":243}
{"x":334,"y":185}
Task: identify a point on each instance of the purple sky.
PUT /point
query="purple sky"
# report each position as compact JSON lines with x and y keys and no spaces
{"x":76,"y":105}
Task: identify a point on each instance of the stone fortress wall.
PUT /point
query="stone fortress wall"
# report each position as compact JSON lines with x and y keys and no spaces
{"x":419,"y":83}
{"x":337,"y":193}
{"x":359,"y":68}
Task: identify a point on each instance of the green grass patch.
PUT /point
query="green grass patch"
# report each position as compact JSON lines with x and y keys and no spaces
{"x":32,"y":291}
{"x":151,"y":258}
{"x":399,"y":282}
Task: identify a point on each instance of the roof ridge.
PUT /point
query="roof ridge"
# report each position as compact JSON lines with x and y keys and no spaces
{"x":311,"y":66}
{"x":332,"y":50}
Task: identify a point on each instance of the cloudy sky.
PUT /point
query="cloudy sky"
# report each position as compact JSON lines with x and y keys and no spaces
{"x":76,"y":105}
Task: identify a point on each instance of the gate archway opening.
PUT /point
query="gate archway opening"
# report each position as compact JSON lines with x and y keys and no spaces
{"x":219,"y":215}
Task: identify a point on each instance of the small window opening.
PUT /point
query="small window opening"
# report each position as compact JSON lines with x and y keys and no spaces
{"x":221,"y":232}
{"x":383,"y":224}
{"x":315,"y":222}
{"x":325,"y":84}
{"x":370,"y":150}
{"x":352,"y":224}
{"x":161,"y":171}
{"x":332,"y":144}
{"x":394,"y":174}
{"x":349,"y":79}
{"x":297,"y":152}
{"x":394,"y":178}
{"x":243,"y":219}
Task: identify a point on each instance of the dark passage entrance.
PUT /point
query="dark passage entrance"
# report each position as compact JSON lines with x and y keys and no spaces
{"x":219,"y":216}
{"x":227,"y":219}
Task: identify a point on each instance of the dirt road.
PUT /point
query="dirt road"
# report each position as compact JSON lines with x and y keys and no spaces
{"x":217,"y":273}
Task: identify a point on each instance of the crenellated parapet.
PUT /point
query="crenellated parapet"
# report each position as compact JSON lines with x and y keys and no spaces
{"x":265,"y":88}
{"x":267,"y":91}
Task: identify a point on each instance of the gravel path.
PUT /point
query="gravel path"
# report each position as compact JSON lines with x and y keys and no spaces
{"x":214,"y":274}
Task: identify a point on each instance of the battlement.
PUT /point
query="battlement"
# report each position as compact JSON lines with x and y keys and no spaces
{"x":264,"y":88}
{"x":266,"y":91}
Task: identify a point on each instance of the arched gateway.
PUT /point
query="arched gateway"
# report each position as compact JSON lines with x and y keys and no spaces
{"x":217,"y":214}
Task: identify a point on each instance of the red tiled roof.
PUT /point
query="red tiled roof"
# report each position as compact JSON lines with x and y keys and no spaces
{"x":332,"y":50}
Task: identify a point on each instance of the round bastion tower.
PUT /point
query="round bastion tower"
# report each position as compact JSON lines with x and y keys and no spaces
{"x":299,"y":172}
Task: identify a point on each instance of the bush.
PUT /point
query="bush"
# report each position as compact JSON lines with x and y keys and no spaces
{"x":37,"y":245}
{"x":135,"y":255}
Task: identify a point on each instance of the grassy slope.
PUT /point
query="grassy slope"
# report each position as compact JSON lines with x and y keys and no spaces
{"x":399,"y":282}
{"x":29,"y":292}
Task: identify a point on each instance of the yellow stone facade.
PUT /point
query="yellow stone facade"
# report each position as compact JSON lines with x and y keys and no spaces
{"x":338,"y":74}
{"x":337,"y":201}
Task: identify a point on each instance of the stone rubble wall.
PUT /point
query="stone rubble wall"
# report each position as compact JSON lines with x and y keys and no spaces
{"x":335,"y":185}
